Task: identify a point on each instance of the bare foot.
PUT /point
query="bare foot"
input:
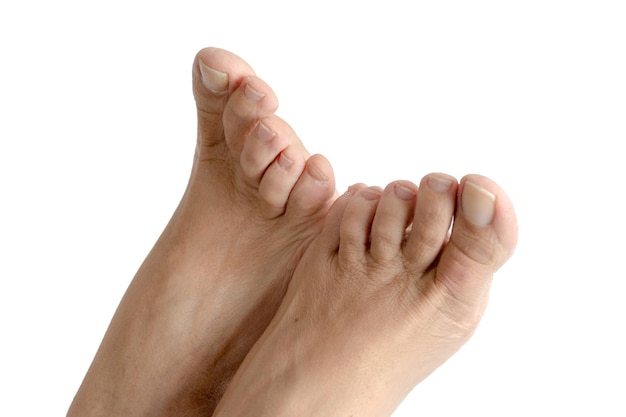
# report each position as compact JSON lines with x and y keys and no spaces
{"x":381,"y":298}
{"x":217,"y":274}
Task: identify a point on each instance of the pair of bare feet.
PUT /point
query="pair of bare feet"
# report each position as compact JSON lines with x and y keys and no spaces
{"x":270,"y":295}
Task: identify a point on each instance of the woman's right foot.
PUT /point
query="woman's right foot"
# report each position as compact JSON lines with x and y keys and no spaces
{"x":217,"y":274}
{"x":382,"y":297}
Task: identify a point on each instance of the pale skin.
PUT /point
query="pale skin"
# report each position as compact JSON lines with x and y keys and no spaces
{"x":339,"y":305}
{"x":373,"y":309}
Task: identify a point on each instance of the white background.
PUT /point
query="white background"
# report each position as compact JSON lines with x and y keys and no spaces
{"x":97,"y":130}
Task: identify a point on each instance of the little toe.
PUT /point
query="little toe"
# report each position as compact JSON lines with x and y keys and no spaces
{"x":393,"y":215}
{"x":434,"y":210}
{"x":356,"y":224}
{"x":252,"y":101}
{"x":315,"y":190}
{"x":483,"y":237}
{"x":330,"y":235}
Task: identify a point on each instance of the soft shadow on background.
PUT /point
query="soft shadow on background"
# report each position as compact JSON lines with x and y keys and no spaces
{"x":97,"y":132}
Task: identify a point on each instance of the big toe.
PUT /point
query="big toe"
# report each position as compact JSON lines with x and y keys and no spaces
{"x":483,"y":238}
{"x":216,"y":74}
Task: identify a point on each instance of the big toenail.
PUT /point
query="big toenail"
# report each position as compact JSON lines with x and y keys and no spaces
{"x":478,"y":204}
{"x":404,"y":193}
{"x":438,"y":184}
{"x":284,"y":162}
{"x":264,"y":134}
{"x":370,"y":194}
{"x":252,"y":94}
{"x":213,"y":80}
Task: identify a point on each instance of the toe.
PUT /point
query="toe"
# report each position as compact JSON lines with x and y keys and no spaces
{"x":356,"y":224}
{"x":268,"y":139}
{"x":279,"y":179}
{"x":252,"y":101}
{"x":216,"y":73}
{"x":483,"y":237}
{"x":288,"y":180}
{"x":330,"y":235}
{"x":433,"y":214}
{"x":315,"y":190}
{"x":393,"y":215}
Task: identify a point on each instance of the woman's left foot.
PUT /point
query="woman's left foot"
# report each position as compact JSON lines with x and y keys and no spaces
{"x":215,"y":278}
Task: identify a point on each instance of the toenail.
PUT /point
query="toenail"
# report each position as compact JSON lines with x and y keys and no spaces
{"x":284,"y":162}
{"x":370,"y":194}
{"x":478,"y":204}
{"x":252,"y":94}
{"x":438,"y":184}
{"x":213,"y":80}
{"x":404,"y":193}
{"x":353,"y":189}
{"x":264,"y":134}
{"x":317,"y":174}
